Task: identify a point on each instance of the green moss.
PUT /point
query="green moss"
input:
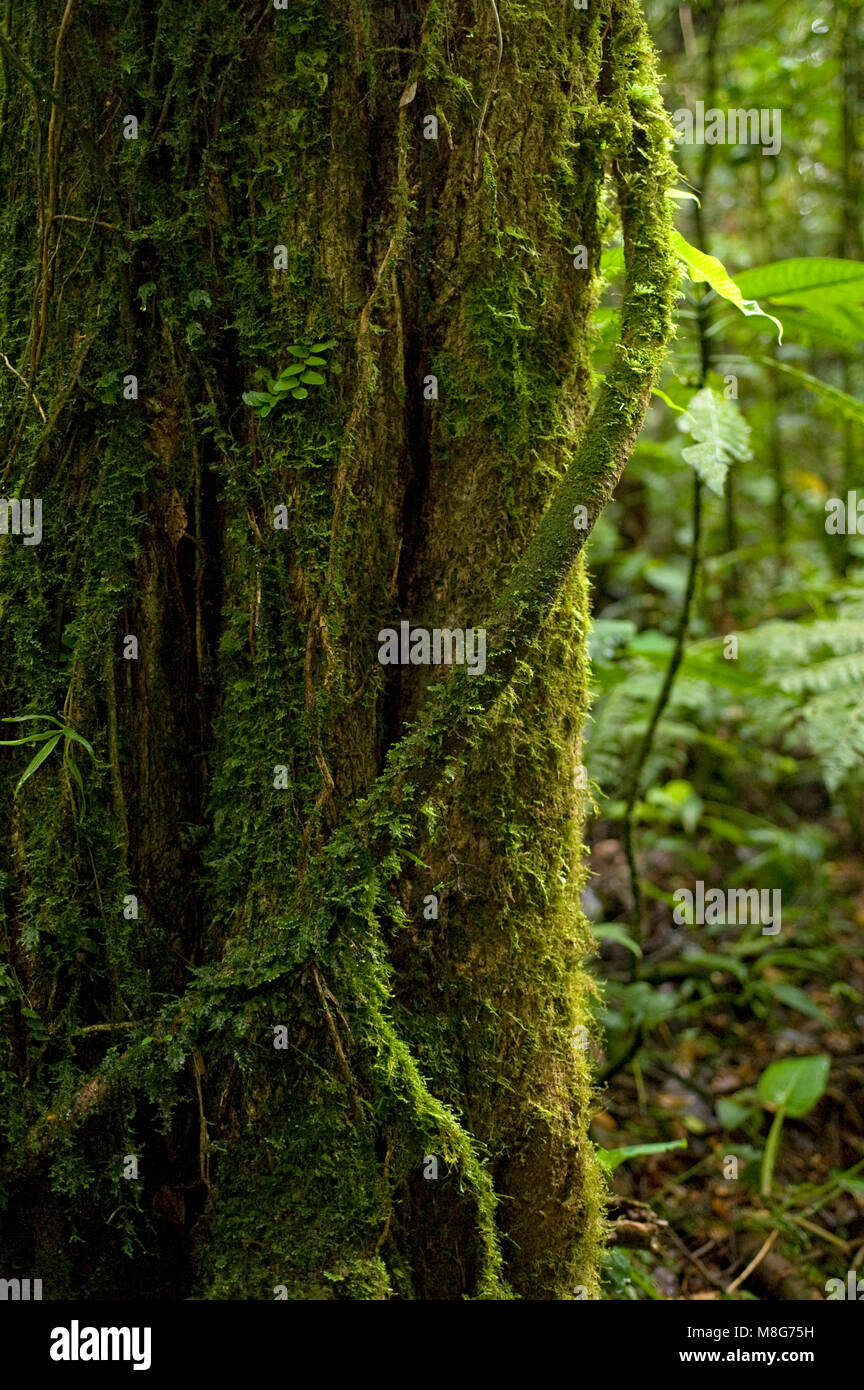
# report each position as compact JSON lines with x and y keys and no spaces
{"x":261,"y":907}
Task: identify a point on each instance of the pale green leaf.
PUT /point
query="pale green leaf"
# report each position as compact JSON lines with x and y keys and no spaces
{"x":714,"y":273}
{"x":721,"y":434}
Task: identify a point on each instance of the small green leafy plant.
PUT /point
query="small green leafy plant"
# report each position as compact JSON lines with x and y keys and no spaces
{"x":610,"y":1159}
{"x":791,"y":1087}
{"x":624,"y":1278}
{"x":295,"y":380}
{"x":109,"y":387}
{"x":49,"y":739}
{"x":720,"y":434}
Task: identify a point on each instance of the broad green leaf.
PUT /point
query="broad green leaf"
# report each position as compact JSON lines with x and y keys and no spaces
{"x":832,"y":276}
{"x":44,"y":752}
{"x":720,"y":433}
{"x":297,"y":351}
{"x":714,"y":273}
{"x":821,"y":297}
{"x":313,"y":378}
{"x":300,"y":394}
{"x":826,"y":325}
{"x":610,"y":1159}
{"x":293,"y":370}
{"x":795,"y":1084}
{"x":314,"y":361}
{"x":323,"y":347}
{"x":255,"y":398}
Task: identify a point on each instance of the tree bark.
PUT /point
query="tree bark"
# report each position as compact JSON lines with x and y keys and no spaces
{"x":285,"y":1037}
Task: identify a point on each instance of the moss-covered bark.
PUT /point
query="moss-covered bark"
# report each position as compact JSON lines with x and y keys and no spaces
{"x":297,"y":900}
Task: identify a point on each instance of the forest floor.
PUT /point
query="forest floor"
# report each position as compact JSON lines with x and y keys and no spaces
{"x":711,"y":1017}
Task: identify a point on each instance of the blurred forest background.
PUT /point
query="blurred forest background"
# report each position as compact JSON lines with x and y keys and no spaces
{"x":738,"y":763}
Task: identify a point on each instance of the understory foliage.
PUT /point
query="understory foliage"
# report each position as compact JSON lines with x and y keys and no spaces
{"x":725,"y":741}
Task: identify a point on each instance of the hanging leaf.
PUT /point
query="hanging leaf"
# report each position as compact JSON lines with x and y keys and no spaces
{"x":720,"y":433}
{"x":44,"y":752}
{"x":683,"y":195}
{"x":72,"y":736}
{"x":714,"y":273}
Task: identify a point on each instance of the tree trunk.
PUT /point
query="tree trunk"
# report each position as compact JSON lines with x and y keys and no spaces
{"x":240,"y":1043}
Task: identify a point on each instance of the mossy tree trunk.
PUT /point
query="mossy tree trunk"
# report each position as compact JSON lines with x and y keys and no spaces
{"x":282,"y":808}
